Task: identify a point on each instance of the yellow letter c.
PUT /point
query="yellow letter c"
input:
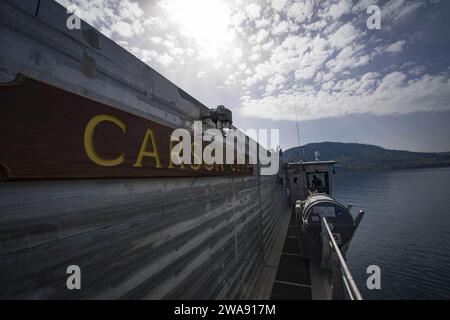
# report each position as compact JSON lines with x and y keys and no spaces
{"x":89,"y":140}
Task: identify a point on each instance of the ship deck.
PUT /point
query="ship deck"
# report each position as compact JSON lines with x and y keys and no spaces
{"x":298,"y":276}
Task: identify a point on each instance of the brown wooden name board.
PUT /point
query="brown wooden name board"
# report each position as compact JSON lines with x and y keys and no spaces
{"x":50,"y":133}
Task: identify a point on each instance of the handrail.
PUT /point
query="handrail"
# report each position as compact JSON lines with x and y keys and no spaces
{"x":350,"y":285}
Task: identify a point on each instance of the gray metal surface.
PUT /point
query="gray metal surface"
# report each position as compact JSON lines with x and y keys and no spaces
{"x":205,"y":238}
{"x":152,"y":238}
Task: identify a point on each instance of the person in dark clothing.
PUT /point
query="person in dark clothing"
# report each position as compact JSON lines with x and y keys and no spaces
{"x":316,"y":183}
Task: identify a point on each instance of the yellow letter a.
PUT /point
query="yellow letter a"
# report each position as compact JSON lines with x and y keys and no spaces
{"x":144,"y":153}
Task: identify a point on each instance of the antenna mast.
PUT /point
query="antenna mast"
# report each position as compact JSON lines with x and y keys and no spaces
{"x":301,"y":151}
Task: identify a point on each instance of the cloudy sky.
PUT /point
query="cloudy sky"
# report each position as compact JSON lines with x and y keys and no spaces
{"x":272,"y":61}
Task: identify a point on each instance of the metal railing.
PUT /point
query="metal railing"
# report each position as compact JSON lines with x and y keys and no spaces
{"x":342,"y":278}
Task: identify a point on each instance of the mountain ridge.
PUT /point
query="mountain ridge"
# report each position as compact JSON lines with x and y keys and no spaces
{"x":357,"y":156}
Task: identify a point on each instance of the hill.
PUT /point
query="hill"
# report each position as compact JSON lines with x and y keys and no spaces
{"x":357,"y":156}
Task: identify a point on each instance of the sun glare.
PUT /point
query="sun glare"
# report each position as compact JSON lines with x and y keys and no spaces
{"x":206,"y":21}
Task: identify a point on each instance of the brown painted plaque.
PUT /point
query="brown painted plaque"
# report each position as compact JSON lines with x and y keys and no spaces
{"x":44,"y":135}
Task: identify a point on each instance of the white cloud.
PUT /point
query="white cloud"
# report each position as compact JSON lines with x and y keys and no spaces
{"x":237,"y":53}
{"x":130,"y":10}
{"x":396,"y":11}
{"x":281,"y":27}
{"x":352,"y":56}
{"x":176,"y":51}
{"x":253,"y":11}
{"x":338,"y":9}
{"x":123,"y":29}
{"x":328,"y":85}
{"x":306,"y":72}
{"x":275,"y":82}
{"x":238,"y":18}
{"x":118,"y":18}
{"x":268,"y":45}
{"x":315,"y":26}
{"x":148,"y":56}
{"x":262,"y":35}
{"x":206,"y":22}
{"x":165,"y":59}
{"x":407,"y":65}
{"x":345,"y":35}
{"x":277,"y":53}
{"x":156,"y":40}
{"x":278,"y":5}
{"x":395,"y":47}
{"x":393,"y":94}
{"x":255,"y":57}
{"x":301,"y":11}
{"x":362,"y":5}
{"x":155,"y":22}
{"x":417,"y":70}
{"x":263,"y":23}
